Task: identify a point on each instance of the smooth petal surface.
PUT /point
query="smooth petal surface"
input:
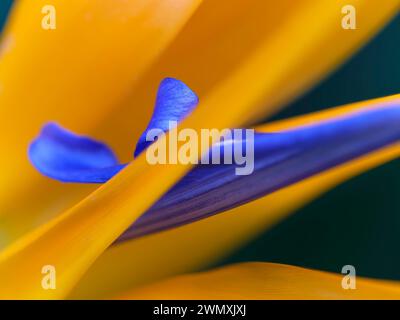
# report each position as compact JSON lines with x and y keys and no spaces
{"x":175,"y":101}
{"x":264,"y":281}
{"x":280,"y":159}
{"x":65,"y":156}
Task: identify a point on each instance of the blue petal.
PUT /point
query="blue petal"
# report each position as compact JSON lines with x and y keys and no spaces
{"x":65,"y":156}
{"x":175,"y":100}
{"x":281,"y":159}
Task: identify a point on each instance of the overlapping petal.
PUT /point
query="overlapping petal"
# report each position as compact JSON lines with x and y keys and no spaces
{"x":68,"y":157}
{"x":280,"y":158}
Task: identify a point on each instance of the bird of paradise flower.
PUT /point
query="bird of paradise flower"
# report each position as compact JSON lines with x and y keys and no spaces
{"x":287,"y":152}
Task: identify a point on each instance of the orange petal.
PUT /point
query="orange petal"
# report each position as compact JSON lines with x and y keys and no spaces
{"x":259,"y":281}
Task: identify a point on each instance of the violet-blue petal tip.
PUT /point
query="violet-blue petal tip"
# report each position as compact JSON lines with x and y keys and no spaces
{"x":175,"y":101}
{"x":68,"y":157}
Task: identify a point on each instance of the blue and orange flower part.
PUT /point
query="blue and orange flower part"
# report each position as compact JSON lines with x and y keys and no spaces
{"x":132,"y":230}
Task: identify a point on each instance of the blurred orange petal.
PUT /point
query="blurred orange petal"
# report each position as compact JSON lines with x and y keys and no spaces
{"x":264,"y":281}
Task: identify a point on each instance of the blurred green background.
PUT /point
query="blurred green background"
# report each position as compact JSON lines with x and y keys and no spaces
{"x":357,"y":223}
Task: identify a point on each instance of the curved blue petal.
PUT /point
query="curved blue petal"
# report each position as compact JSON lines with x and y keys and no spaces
{"x":65,"y":156}
{"x":281,"y":159}
{"x":175,"y":100}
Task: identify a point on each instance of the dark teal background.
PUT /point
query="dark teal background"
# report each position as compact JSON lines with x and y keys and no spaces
{"x":4,"y":7}
{"x":357,"y":223}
